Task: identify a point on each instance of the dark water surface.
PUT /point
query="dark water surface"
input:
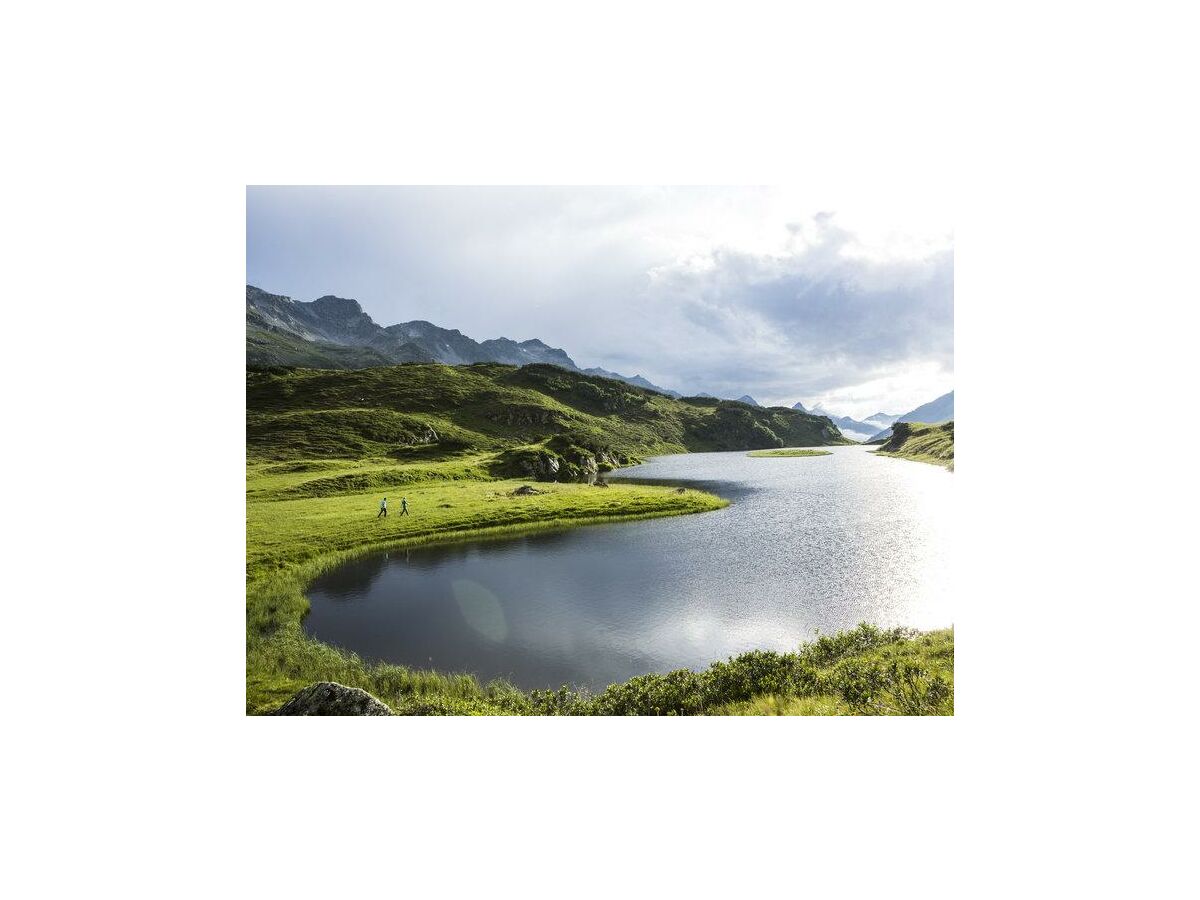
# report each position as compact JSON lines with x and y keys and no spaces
{"x":807,"y":543}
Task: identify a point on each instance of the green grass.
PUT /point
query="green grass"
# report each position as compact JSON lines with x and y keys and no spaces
{"x":789,"y":451}
{"x":292,"y":539}
{"x":324,"y":446}
{"x":265,"y":347}
{"x":418,"y":410}
{"x":921,"y":443}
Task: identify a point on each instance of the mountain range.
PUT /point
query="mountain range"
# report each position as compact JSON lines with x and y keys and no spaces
{"x":334,"y":333}
{"x":855,"y":429}
{"x":931,"y":413}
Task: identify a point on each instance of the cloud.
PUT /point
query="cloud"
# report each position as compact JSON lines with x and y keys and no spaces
{"x":822,"y":315}
{"x":723,"y":290}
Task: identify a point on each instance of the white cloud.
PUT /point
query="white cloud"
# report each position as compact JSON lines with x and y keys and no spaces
{"x":725,"y":290}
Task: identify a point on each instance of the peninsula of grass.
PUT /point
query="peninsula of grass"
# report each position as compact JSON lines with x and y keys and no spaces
{"x":292,"y":538}
{"x":457,"y":443}
{"x":921,"y":443}
{"x":789,"y":451}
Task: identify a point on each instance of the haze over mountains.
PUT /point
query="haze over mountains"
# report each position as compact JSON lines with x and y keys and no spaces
{"x":855,"y":429}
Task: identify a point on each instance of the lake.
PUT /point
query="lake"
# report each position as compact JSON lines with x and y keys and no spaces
{"x":807,"y":544}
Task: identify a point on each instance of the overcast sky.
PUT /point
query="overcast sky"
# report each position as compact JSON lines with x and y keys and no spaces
{"x":728,"y":291}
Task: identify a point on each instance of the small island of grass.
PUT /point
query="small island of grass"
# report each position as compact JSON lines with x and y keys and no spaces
{"x":789,"y":451}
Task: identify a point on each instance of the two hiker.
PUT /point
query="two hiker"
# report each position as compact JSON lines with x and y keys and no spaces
{"x":383,"y":507}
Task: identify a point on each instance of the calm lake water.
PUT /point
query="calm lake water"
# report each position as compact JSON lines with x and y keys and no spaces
{"x":807,"y":543}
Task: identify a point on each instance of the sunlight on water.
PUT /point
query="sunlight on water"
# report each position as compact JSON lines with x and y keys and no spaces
{"x":808,"y":545}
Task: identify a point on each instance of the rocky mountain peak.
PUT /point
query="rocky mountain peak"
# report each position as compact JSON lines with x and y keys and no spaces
{"x":340,"y":307}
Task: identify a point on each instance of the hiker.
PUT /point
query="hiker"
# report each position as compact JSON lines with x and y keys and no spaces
{"x":382,"y":508}
{"x":404,"y":506}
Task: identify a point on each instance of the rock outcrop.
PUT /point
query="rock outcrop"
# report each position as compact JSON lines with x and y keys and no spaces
{"x":570,"y":463}
{"x":328,"y":698}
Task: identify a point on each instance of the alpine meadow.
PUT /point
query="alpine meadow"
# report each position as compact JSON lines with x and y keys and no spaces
{"x":439,"y":525}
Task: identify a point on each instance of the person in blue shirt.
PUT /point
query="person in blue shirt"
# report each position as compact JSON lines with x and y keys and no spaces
{"x":382,"y":508}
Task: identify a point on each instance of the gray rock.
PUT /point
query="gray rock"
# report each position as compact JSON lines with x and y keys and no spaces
{"x":328,"y":698}
{"x":525,"y":490}
{"x":542,"y":466}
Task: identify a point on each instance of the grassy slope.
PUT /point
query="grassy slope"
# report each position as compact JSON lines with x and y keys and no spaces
{"x":274,"y":348}
{"x":921,"y":443}
{"x":292,"y":540}
{"x":324,"y":446}
{"x":309,"y":413}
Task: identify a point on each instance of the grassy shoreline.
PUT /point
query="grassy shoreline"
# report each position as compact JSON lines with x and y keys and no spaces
{"x":916,"y":441}
{"x":292,"y":541}
{"x":864,"y":671}
{"x":323,"y":447}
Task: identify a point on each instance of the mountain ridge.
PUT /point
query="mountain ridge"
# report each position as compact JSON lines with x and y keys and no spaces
{"x":934,"y":412}
{"x":334,"y":332}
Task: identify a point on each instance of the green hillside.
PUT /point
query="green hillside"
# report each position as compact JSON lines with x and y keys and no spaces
{"x":275,"y":348}
{"x":921,"y":443}
{"x":460,"y":443}
{"x":538,"y":421}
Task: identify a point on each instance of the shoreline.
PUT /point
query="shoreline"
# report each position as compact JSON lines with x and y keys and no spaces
{"x":912,"y":671}
{"x":281,"y":657}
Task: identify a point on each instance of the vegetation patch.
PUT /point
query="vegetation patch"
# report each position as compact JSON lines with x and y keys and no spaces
{"x":377,"y":479}
{"x":432,"y":410}
{"x":789,"y":451}
{"x":922,"y":443}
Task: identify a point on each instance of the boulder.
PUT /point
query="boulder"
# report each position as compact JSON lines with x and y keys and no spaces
{"x":328,"y":698}
{"x":525,"y":490}
{"x":420,"y":435}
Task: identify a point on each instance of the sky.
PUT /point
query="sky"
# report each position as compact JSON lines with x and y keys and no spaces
{"x":780,"y":293}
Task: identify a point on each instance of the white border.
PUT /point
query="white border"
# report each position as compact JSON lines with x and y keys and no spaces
{"x":1060,"y":135}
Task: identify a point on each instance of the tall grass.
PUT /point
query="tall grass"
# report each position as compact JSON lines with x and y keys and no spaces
{"x":921,"y":443}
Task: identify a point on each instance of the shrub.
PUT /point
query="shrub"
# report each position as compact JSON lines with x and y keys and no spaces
{"x":677,"y":693}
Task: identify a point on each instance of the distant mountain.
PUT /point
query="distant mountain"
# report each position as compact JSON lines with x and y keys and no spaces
{"x":851,"y":428}
{"x":931,"y":413}
{"x":746,"y":398}
{"x":881,"y":420}
{"x":635,"y":380}
{"x":856,"y":429}
{"x":334,"y":333}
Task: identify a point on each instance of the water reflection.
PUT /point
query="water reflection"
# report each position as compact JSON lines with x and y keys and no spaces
{"x":801,"y":548}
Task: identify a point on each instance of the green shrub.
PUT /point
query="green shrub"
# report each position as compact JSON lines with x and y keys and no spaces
{"x":680,"y":692}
